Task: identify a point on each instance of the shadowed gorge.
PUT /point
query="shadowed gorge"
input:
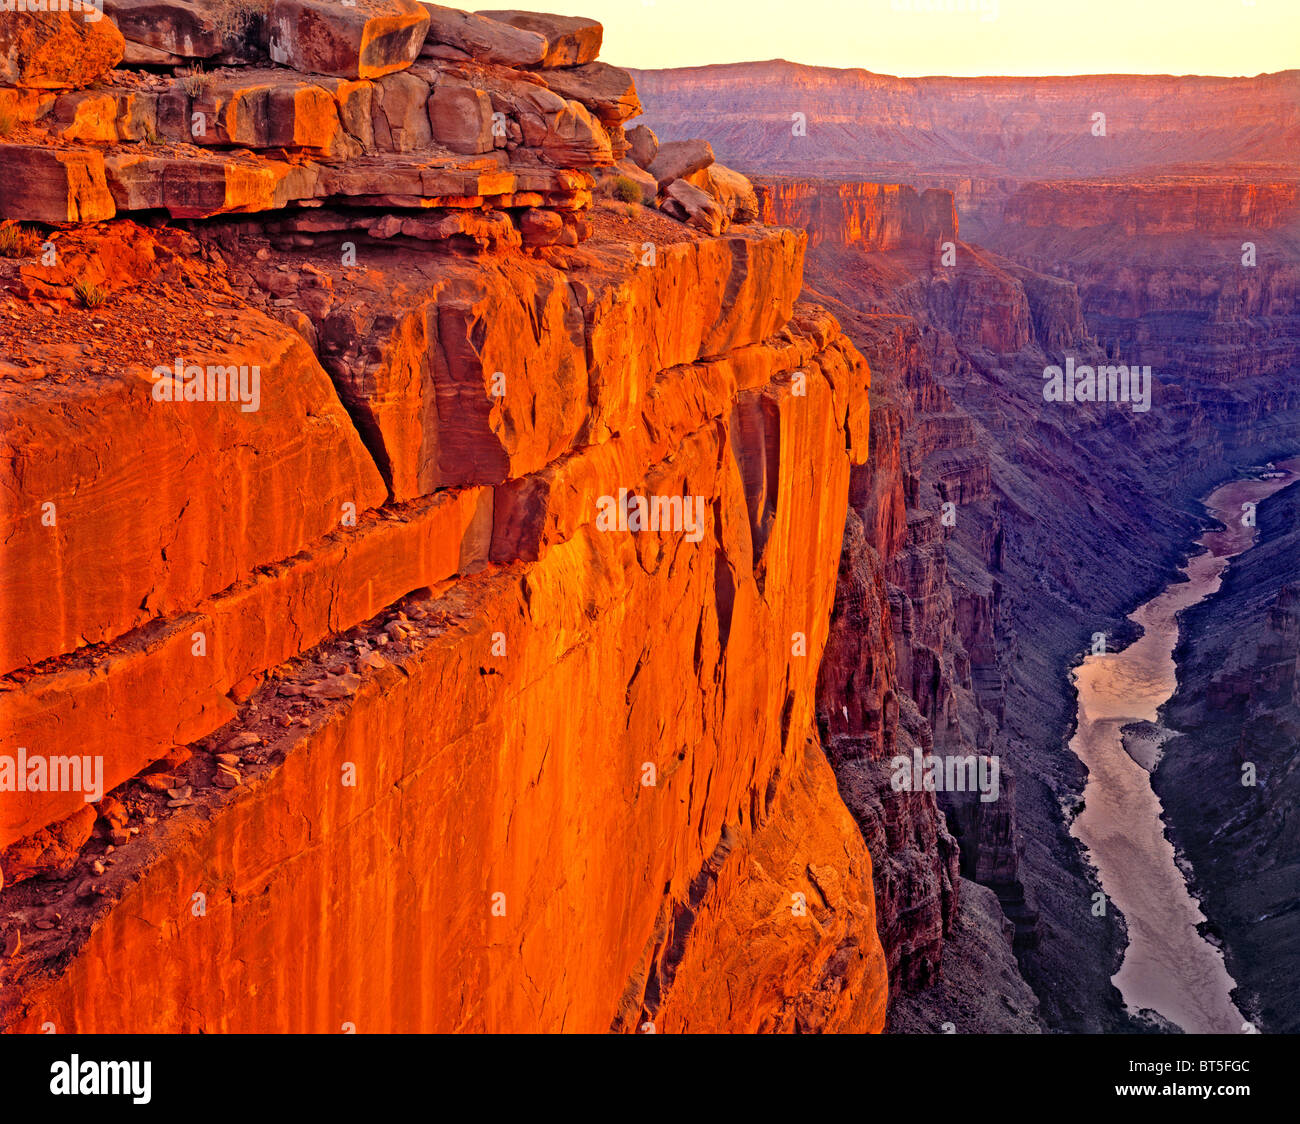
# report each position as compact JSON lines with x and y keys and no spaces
{"x":996,"y":536}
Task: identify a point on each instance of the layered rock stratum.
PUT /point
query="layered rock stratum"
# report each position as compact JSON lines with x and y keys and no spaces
{"x":406,"y":721}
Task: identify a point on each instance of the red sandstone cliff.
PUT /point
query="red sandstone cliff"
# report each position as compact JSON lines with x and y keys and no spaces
{"x":399,"y":733}
{"x":874,"y":216}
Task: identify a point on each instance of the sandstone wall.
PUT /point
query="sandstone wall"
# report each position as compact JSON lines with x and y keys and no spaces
{"x":399,"y":732}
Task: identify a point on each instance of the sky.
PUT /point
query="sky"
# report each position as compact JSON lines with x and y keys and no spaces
{"x":959,"y":37}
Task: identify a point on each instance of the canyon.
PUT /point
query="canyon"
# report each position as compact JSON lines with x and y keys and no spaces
{"x":404,"y":732}
{"x":1001,"y":534}
{"x":1169,"y":967}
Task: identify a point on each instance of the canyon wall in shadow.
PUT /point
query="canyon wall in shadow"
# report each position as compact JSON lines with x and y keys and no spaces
{"x":1173,"y":241}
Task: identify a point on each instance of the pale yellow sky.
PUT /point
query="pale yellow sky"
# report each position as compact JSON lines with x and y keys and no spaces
{"x":962,"y":37}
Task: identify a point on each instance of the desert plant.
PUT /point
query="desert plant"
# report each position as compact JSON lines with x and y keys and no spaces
{"x":90,"y":294}
{"x":194,"y":79}
{"x":8,"y":121}
{"x":17,"y":241}
{"x":627,"y":189}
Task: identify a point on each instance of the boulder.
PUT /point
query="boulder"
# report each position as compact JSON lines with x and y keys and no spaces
{"x":49,"y":851}
{"x":160,"y":31}
{"x":606,"y":90}
{"x":678,"y":159}
{"x":401,"y":114}
{"x":56,"y":50}
{"x":571,"y":40}
{"x":564,"y":131}
{"x":53,"y":185}
{"x":540,"y":227}
{"x":483,"y":39}
{"x":368,"y":40}
{"x":644,"y":145}
{"x":733,"y":192}
{"x":461,"y":117}
{"x":687,"y":203}
{"x":268,"y":108}
{"x":85,"y":116}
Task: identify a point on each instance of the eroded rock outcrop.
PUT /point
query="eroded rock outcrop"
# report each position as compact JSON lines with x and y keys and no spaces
{"x":56,"y":50}
{"x":482,"y":603}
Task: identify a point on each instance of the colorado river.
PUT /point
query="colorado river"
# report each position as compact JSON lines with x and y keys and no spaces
{"x":1168,"y":966}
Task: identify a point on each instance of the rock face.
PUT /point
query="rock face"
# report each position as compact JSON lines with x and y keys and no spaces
{"x":56,"y":50}
{"x":430,"y":537}
{"x":366,"y":40}
{"x":910,"y":667}
{"x":873,"y":216}
{"x":1200,"y":274}
{"x":55,"y":186}
{"x":915,"y":860}
{"x":982,"y":990}
{"x":1164,"y":205}
{"x":570,"y":40}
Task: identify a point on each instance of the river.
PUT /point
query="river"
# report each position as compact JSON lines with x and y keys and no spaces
{"x":1168,"y":967}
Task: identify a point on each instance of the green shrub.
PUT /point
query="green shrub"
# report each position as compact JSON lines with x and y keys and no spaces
{"x":90,"y":295}
{"x":627,"y":189}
